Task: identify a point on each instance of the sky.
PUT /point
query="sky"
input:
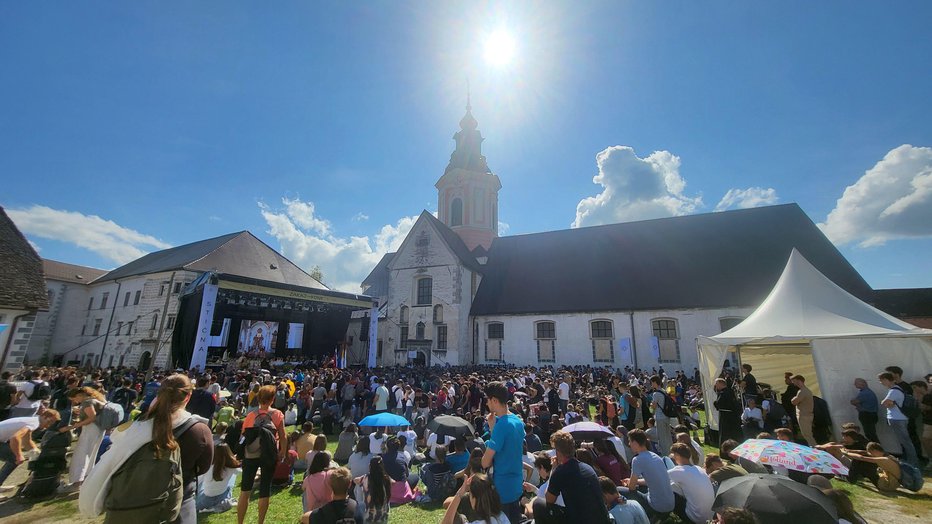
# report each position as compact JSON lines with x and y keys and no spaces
{"x":321,"y":127}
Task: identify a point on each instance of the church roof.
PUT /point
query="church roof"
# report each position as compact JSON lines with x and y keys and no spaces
{"x":238,"y":253}
{"x":21,"y":282}
{"x":62,"y":271}
{"x":732,"y":258}
{"x":904,"y":303}
{"x":376,"y":283}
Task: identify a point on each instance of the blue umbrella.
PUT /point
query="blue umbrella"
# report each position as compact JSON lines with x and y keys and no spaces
{"x":384,"y":419}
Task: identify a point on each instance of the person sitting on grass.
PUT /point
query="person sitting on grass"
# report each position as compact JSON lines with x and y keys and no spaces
{"x":887,"y":477}
{"x":317,"y":483}
{"x":216,"y":486}
{"x":648,"y":471}
{"x":374,"y":491}
{"x":622,"y":510}
{"x":691,"y":487}
{"x":340,"y":510}
{"x":577,"y":482}
{"x":484,"y":499}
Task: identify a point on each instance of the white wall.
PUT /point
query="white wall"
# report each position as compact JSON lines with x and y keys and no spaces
{"x":574,"y":345}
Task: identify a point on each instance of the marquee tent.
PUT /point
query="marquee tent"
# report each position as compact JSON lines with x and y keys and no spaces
{"x":811,"y":326}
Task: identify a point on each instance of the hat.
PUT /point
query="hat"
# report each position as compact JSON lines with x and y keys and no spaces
{"x":819,"y":482}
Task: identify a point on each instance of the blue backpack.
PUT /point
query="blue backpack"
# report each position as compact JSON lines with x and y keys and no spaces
{"x":910,"y":476}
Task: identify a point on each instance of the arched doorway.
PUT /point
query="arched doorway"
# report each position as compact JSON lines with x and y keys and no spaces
{"x":420,"y":359}
{"x":145,"y":360}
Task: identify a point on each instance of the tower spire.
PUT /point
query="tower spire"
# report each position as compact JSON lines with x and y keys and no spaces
{"x":468,"y":104}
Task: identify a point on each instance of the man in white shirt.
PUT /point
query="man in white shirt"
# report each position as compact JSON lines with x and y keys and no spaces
{"x":381,"y":397}
{"x":753,"y":419}
{"x":433,"y":444}
{"x":15,"y":435}
{"x":398,"y":392}
{"x":692,"y":489}
{"x":564,"y":391}
{"x":24,"y":406}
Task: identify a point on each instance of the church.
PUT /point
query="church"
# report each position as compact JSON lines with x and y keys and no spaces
{"x":630,"y":294}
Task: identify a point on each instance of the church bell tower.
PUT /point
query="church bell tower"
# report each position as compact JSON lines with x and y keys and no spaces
{"x":467,"y":192}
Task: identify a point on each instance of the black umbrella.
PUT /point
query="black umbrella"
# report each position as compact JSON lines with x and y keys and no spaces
{"x":450,"y":426}
{"x":775,"y":499}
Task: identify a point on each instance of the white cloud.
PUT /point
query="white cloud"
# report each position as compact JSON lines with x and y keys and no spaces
{"x":745,"y":198}
{"x":635,"y":188}
{"x":308,"y":241}
{"x":503,"y":228}
{"x":104,"y":237}
{"x":891,"y":200}
{"x":360,"y":217}
{"x":214,"y":218}
{"x":34,"y":246}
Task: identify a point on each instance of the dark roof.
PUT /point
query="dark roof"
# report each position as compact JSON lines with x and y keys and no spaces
{"x":21,"y":282}
{"x":479,"y":251}
{"x":904,"y":303}
{"x":55,"y":270}
{"x":239,"y":253}
{"x":170,"y":259}
{"x":732,"y":258}
{"x":454,"y":241}
{"x":377,"y":281}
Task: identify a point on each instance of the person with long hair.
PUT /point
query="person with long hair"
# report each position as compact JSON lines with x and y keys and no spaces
{"x":347,"y":441}
{"x":264,"y":463}
{"x":88,"y":400}
{"x":484,"y":499}
{"x":360,"y":459}
{"x":156,"y":427}
{"x":376,"y":492}
{"x":216,"y":493}
{"x":316,"y":483}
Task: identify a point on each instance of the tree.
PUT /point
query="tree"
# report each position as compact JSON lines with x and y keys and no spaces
{"x":317,"y":274}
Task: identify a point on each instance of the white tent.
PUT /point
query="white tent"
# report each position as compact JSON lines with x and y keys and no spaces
{"x":810,"y":325}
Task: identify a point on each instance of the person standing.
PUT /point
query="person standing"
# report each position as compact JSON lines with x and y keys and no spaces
{"x":729,"y":412}
{"x":504,"y":450}
{"x":866,"y":403}
{"x":262,"y":462}
{"x":658,"y":403}
{"x":82,"y":461}
{"x":28,"y":399}
{"x":897,"y":421}
{"x":805,"y":406}
{"x":202,"y":403}
{"x":381,"y":397}
{"x":564,"y":393}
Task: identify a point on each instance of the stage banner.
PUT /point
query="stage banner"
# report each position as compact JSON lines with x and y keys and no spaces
{"x":655,"y":347}
{"x":373,"y":334}
{"x":624,"y":350}
{"x":202,"y":338}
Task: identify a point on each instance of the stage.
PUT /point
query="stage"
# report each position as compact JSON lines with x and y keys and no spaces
{"x":224,"y":316}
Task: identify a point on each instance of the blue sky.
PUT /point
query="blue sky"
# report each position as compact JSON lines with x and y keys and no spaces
{"x":322,"y":127}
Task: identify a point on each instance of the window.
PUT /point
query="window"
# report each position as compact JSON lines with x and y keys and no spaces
{"x":441,"y":337}
{"x":602,"y":334}
{"x":403,"y":343}
{"x":419,"y":331}
{"x":119,"y":327}
{"x":601,"y":329}
{"x":171,"y":322}
{"x":404,"y":315}
{"x":727,"y":323}
{"x":126,"y":299}
{"x":83,"y":330}
{"x":546,"y":330}
{"x":162,"y":290}
{"x":364,"y":330}
{"x":129,"y":328}
{"x":155,"y":321}
{"x":136,"y":298}
{"x":90,"y":305}
{"x":456,"y":212}
{"x":438,"y":314}
{"x":493,"y":342}
{"x":103,"y":300}
{"x":177,"y":288}
{"x":96,"y":327}
{"x":546,"y":333}
{"x":667,"y":339}
{"x":378,"y":345}
{"x":424,"y":291}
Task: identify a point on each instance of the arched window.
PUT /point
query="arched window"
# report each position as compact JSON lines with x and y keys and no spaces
{"x":545,"y":333}
{"x":424,"y":291}
{"x":495,"y":334}
{"x":456,"y":212}
{"x":668,"y":338}
{"x":404,"y":315}
{"x":438,"y":314}
{"x":602,"y":333}
{"x":419,"y":331}
{"x":155,"y":321}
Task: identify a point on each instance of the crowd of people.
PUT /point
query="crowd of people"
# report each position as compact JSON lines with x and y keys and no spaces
{"x":167,"y":446}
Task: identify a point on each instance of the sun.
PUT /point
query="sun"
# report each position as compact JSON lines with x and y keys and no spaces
{"x":499,"y":48}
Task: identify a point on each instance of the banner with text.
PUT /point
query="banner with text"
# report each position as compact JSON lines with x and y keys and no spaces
{"x":373,"y":334}
{"x":202,"y":338}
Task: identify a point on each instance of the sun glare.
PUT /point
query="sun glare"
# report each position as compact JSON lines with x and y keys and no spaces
{"x":499,"y":48}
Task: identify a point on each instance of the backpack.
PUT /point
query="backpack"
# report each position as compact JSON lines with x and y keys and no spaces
{"x":669,"y":407}
{"x":109,"y":416}
{"x":121,"y":397}
{"x":776,"y":415}
{"x":148,"y":488}
{"x":910,"y":476}
{"x":40,"y":391}
{"x":444,"y":486}
{"x":259,"y":439}
{"x":910,"y":407}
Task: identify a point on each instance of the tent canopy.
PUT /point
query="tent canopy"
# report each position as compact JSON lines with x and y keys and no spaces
{"x":846,"y":337}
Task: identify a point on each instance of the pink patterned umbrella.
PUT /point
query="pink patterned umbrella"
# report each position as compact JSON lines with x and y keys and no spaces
{"x":790,"y":455}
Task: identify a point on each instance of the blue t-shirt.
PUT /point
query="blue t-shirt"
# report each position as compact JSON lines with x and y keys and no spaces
{"x":150,"y":391}
{"x":458,"y":461}
{"x":650,"y":467}
{"x":867,"y":401}
{"x":507,"y":466}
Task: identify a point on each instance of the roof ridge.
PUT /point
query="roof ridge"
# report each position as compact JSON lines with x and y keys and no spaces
{"x":214,"y":250}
